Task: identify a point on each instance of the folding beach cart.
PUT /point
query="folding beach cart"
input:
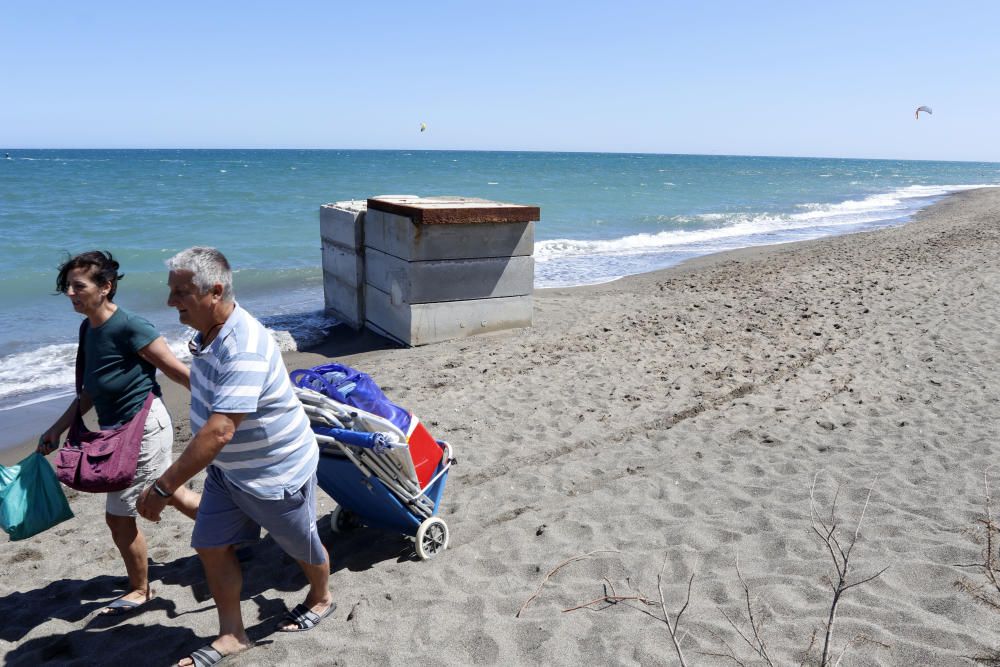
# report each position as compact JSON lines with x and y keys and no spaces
{"x":377,"y":461}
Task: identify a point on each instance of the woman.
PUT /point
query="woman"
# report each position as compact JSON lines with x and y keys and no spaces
{"x":122,"y":353}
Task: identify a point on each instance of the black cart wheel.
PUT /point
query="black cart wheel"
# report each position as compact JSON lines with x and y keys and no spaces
{"x":342,"y":521}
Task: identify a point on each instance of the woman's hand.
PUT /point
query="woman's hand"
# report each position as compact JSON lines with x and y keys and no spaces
{"x":48,"y":442}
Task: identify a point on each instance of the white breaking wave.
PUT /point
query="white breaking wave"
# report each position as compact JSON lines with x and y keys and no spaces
{"x":880,"y":207}
{"x":49,"y":372}
{"x":46,"y":368}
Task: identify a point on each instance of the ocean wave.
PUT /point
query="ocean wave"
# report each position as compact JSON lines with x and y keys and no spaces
{"x":725,"y":227}
{"x":46,"y":368}
{"x":48,"y":372}
{"x":59,"y":159}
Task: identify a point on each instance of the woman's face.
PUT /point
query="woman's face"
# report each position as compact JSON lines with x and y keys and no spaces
{"x":85,"y":295}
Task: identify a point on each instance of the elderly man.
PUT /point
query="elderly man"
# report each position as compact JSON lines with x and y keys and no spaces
{"x":252,"y":434}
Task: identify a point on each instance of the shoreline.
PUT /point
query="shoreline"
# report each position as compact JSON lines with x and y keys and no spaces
{"x":675,"y":423}
{"x":43,"y":366}
{"x":17,"y":441}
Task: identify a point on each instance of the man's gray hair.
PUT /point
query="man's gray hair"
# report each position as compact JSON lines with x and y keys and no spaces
{"x":208,"y":266}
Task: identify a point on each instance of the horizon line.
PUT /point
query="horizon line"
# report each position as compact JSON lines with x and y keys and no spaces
{"x":490,"y":150}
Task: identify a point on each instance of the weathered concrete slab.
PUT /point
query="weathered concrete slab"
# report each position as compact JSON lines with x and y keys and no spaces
{"x":343,"y":223}
{"x":400,"y":237}
{"x":421,"y":324}
{"x":346,"y":265}
{"x":448,"y":280}
{"x":343,"y":301}
{"x":444,"y":210}
{"x":427,"y":269}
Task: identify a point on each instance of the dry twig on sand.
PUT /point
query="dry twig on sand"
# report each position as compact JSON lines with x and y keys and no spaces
{"x":612,"y":598}
{"x":556,"y":569}
{"x":749,"y":628}
{"x":752,"y":636}
{"x":841,"y":557}
{"x":986,"y":593}
{"x":674,"y":628}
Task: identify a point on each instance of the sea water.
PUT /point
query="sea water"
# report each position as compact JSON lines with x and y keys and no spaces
{"x":602,"y":216}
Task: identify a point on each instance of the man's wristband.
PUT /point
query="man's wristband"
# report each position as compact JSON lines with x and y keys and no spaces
{"x":160,"y":492}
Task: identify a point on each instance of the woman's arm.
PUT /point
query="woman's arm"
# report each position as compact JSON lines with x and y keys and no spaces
{"x":50,"y":439}
{"x":160,"y":355}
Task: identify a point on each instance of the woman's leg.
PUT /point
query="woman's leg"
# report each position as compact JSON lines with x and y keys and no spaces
{"x":120,"y":512}
{"x":131,"y":545}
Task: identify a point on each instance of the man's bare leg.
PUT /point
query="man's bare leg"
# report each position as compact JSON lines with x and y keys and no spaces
{"x":318,"y":599}
{"x":225,"y":581}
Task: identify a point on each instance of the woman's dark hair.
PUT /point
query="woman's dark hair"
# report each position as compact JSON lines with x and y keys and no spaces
{"x":103,"y":269}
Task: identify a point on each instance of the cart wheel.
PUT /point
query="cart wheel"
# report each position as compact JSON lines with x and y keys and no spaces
{"x":432,"y":537}
{"x":342,"y":521}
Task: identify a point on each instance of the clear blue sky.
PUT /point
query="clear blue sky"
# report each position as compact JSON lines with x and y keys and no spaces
{"x":759,"y":78}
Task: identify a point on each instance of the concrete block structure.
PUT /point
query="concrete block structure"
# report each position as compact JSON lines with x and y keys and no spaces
{"x":432,"y":268}
{"x":341,"y":229}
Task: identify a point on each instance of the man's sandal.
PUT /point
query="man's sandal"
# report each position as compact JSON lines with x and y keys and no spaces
{"x":303,"y":618}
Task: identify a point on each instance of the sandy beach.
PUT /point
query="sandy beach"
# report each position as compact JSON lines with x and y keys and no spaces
{"x":684,"y":421}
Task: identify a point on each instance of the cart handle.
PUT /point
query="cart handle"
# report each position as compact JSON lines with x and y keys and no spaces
{"x":377,"y":442}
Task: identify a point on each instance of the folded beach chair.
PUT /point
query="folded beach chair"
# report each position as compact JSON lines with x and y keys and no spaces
{"x":383,"y":469}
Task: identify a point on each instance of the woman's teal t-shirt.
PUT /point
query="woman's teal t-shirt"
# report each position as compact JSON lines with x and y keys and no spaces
{"x":114,"y":375}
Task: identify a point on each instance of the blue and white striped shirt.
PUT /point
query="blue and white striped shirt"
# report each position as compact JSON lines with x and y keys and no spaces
{"x":241,"y":372}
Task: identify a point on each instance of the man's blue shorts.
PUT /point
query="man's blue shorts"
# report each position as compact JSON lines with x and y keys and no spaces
{"x":228,"y":515}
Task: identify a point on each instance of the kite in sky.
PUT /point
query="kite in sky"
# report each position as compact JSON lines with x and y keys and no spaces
{"x":916,"y":114}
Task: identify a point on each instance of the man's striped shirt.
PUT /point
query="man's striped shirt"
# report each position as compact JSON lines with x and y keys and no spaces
{"x":242,"y":372}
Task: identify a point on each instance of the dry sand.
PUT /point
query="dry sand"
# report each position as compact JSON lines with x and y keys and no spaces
{"x":676,"y":420}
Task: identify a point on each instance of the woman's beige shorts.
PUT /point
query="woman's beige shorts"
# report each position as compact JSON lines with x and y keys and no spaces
{"x":154,"y":459}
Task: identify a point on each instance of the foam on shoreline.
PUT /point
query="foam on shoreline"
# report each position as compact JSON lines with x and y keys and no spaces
{"x":46,"y":373}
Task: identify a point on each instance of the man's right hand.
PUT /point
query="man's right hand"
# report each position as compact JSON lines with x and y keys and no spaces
{"x":150,"y":504}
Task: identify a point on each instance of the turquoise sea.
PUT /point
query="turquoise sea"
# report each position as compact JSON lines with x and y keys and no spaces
{"x":603,"y":216}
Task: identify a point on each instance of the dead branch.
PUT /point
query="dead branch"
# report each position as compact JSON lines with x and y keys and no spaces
{"x":556,"y":569}
{"x":611,"y":586}
{"x":986,"y":593}
{"x":752,"y":637}
{"x":612,"y":600}
{"x":675,"y":626}
{"x":992,"y":658}
{"x":731,"y":654}
{"x":812,"y":642}
{"x":858,"y":639}
{"x":841,"y":559}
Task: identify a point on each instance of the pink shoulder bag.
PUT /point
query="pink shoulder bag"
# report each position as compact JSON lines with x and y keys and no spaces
{"x":100,"y":461}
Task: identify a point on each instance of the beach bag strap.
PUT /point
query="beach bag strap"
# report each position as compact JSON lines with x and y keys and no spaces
{"x":80,"y":359}
{"x":77,"y":424}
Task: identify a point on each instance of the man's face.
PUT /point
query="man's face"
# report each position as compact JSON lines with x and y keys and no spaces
{"x":193,"y":308}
